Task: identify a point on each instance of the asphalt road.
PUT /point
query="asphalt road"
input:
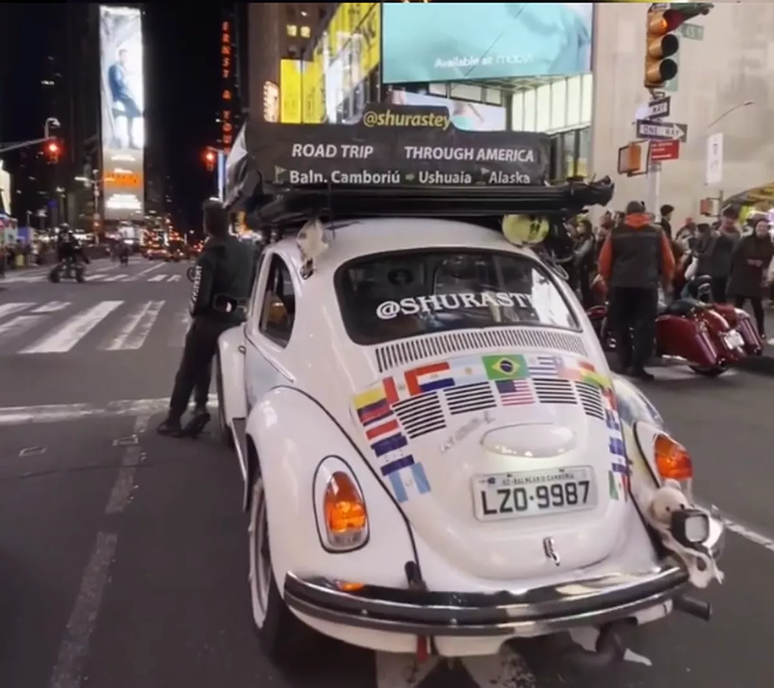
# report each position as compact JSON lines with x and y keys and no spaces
{"x":123,"y":555}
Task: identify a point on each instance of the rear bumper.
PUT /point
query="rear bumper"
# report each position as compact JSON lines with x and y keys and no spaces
{"x":539,"y":611}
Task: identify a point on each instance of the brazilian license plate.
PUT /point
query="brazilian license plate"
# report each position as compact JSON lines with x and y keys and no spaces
{"x":503,"y":496}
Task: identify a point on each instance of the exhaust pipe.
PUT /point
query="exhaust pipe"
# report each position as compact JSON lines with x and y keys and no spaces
{"x":575,"y":661}
{"x":693,"y":607}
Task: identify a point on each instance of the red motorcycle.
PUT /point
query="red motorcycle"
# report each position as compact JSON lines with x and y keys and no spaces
{"x":708,"y":336}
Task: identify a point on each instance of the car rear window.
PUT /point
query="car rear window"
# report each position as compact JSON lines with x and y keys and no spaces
{"x":404,"y":294}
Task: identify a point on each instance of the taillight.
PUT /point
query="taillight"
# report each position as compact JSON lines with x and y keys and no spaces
{"x":673,"y":461}
{"x":346,"y":518}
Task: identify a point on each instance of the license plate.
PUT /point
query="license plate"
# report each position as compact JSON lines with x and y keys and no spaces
{"x":534,"y":493}
{"x":734,"y":339}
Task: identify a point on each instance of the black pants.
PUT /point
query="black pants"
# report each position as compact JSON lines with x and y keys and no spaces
{"x":719,"y":285}
{"x":757,"y":306}
{"x":195,"y":371}
{"x":632,"y":319}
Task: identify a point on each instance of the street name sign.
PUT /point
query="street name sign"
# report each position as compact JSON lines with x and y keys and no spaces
{"x":658,"y":108}
{"x":661,"y":131}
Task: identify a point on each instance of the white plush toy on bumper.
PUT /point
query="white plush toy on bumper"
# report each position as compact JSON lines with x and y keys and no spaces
{"x":682,"y":528}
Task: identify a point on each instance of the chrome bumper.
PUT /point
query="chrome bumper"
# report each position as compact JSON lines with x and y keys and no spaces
{"x":535,"y":612}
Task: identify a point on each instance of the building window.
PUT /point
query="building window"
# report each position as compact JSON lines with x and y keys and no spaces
{"x":559,"y":104}
{"x":529,"y":110}
{"x":517,"y":112}
{"x":305,"y":32}
{"x":587,"y":98}
{"x":543,"y":108}
{"x":292,"y":30}
{"x":574,"y":87}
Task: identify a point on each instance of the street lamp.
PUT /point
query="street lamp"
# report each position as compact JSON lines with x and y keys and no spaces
{"x":736,"y":107}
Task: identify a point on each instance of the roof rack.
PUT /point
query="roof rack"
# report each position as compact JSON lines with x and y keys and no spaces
{"x":295,"y":206}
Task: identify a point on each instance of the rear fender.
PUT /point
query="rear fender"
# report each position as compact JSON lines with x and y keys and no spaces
{"x":683,"y":336}
{"x":231,"y":355}
{"x":298,"y":445}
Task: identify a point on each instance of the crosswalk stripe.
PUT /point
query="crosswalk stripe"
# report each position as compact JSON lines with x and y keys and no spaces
{"x":65,"y":338}
{"x":52,"y":307}
{"x":7,"y":309}
{"x":173,"y":278}
{"x":136,"y":328}
{"x":96,"y":278}
{"x":19,"y":325}
{"x":157,"y":278}
{"x":113,"y":278}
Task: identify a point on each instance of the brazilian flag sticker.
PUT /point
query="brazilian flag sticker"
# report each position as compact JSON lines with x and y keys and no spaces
{"x":505,"y":367}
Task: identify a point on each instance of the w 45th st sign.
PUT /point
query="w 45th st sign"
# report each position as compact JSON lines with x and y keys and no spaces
{"x":661,"y":131}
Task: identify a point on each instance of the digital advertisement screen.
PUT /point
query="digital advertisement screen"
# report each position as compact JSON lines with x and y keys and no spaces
{"x":464,"y":116}
{"x":434,"y":42}
{"x":123,"y":112}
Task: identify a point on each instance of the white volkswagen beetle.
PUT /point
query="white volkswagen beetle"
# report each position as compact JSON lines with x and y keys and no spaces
{"x":436,"y":457}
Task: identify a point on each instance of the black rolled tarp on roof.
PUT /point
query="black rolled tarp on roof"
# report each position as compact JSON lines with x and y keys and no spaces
{"x":406,"y":156}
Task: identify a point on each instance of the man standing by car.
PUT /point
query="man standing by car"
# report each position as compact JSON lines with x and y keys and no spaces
{"x":635,"y":258}
{"x":224,"y":271}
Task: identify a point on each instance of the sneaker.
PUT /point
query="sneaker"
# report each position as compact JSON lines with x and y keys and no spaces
{"x":170,"y":427}
{"x":642,"y":374}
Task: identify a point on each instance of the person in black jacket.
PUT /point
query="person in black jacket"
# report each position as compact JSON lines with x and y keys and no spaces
{"x":224,"y":269}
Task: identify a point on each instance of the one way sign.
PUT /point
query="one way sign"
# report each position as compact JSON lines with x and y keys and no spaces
{"x":661,"y":131}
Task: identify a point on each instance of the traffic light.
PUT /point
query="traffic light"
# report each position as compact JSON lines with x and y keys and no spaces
{"x":53,"y":150}
{"x":662,"y":44}
{"x":209,"y":159}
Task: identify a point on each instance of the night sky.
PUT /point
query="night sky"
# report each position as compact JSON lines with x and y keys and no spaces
{"x":182,"y":89}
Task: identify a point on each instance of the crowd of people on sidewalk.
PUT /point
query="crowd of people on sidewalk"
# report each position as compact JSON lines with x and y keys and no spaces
{"x":635,"y":260}
{"x":737,"y":257}
{"x":20,"y":254}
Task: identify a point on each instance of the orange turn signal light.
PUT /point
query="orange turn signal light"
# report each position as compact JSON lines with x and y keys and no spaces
{"x":672,"y":459}
{"x":349,"y":586}
{"x":345,"y":510}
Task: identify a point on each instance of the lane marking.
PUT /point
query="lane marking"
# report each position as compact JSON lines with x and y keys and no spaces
{"x":68,"y":671}
{"x":7,"y":309}
{"x":180,"y":328}
{"x":61,"y":413}
{"x":96,"y":278}
{"x":63,"y":339}
{"x":750,"y":534}
{"x":136,"y":328}
{"x":174,"y":278}
{"x":123,"y":488}
{"x":157,"y":278}
{"x":113,"y":278}
{"x":150,"y":269}
{"x":52,"y":307}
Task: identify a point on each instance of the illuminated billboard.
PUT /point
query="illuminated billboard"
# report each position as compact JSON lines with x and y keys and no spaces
{"x":123,"y":112}
{"x":434,"y":42}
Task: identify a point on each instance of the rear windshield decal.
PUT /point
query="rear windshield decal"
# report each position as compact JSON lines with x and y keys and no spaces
{"x":413,"y":305}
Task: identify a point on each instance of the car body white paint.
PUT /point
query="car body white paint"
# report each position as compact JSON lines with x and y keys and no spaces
{"x":298,"y":404}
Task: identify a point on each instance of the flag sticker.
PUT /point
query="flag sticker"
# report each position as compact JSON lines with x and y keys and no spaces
{"x":611,"y":483}
{"x":616,"y":447}
{"x":390,"y":444}
{"x":506,"y":367}
{"x":544,"y":366}
{"x":622,"y":472}
{"x":429,"y":378}
{"x":412,"y":478}
{"x":468,"y":370}
{"x":397,"y":464}
{"x":390,"y":426}
{"x":373,"y":412}
{"x":515,"y":392}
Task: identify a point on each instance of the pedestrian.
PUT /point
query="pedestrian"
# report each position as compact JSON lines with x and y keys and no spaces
{"x":750,"y":269}
{"x":725,"y":239}
{"x":635,"y":259}
{"x":585,"y":261}
{"x":223,"y":270}
{"x":666,"y":219}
